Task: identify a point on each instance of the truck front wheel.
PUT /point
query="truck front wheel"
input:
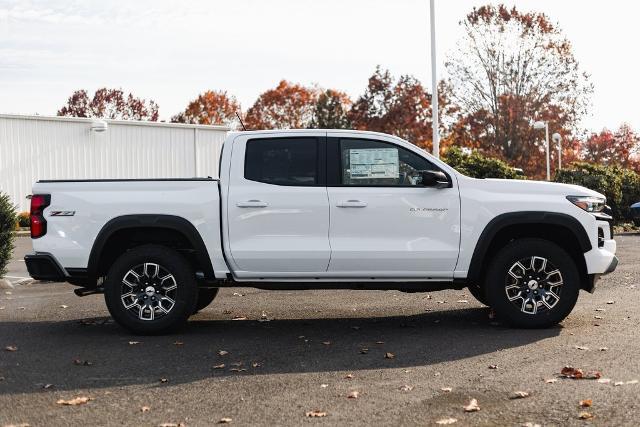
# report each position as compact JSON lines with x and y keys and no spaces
{"x":532,"y":283}
{"x":151,"y":289}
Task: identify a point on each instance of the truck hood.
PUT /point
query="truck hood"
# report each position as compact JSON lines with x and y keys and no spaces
{"x":531,"y":187}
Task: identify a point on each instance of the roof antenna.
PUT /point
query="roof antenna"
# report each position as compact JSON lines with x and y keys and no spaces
{"x":243,"y":127}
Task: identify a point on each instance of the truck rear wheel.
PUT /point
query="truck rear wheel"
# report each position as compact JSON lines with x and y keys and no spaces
{"x":151,"y":289}
{"x":532,"y":283}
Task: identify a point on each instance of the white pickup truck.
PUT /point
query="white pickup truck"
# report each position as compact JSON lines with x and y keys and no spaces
{"x":310,"y":209}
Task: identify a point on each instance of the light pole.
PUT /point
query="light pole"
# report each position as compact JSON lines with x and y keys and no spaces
{"x":434,"y":82}
{"x":545,"y":126}
{"x":557,"y":138}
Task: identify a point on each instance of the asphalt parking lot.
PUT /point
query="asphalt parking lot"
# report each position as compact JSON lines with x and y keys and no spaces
{"x":413,"y":359}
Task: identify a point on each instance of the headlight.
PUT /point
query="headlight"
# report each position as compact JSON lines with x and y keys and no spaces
{"x":588,"y":203}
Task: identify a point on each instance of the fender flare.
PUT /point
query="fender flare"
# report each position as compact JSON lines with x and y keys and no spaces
{"x":172,"y":222}
{"x":523,"y":218}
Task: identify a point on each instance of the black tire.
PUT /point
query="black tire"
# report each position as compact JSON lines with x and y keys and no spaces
{"x":536,"y":302}
{"x":478,"y":293}
{"x":205,"y":297}
{"x":137,"y":267}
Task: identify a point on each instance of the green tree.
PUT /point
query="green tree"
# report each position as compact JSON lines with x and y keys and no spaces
{"x":8,"y":219}
{"x":331,"y":111}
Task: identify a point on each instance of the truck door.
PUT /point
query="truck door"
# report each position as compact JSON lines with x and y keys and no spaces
{"x":384,"y":223}
{"x":277,"y":207}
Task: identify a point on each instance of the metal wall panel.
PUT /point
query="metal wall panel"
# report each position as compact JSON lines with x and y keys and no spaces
{"x":34,"y":147}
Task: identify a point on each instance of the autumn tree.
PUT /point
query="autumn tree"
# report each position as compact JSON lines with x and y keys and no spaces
{"x":621,"y":147}
{"x":509,"y":70}
{"x":109,"y":104}
{"x":331,"y":111}
{"x":210,"y":108}
{"x":287,"y":106}
{"x":401,"y":108}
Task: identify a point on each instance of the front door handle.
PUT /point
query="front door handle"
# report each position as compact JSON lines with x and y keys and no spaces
{"x":352,"y":204}
{"x":252,"y":204}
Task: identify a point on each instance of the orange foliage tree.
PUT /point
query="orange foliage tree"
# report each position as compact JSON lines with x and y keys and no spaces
{"x":401,"y":108}
{"x":109,"y":104}
{"x":287,"y":106}
{"x":621,"y":147}
{"x":509,"y":70}
{"x":210,"y":108}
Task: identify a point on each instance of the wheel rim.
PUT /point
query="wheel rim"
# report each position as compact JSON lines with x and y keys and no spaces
{"x":148,"y":291}
{"x":533,"y":285}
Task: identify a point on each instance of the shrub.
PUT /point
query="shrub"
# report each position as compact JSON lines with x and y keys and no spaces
{"x":476,"y":165}
{"x":620,"y":186}
{"x":7,"y":224}
{"x":24,"y":219}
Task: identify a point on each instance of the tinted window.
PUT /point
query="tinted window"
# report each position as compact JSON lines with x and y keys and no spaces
{"x":374,"y":163}
{"x":282,"y":161}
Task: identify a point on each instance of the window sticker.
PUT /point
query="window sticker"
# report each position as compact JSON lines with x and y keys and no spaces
{"x":367,"y":163}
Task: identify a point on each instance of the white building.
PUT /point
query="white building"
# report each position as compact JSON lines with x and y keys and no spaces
{"x":38,"y":147}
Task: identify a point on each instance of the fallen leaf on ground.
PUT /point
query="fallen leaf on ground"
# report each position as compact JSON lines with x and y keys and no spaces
{"x":586,"y":403}
{"x":446,"y":389}
{"x":80,"y":400}
{"x":472,"y":406}
{"x":316,"y":414}
{"x":585,"y":416}
{"x":519,"y":395}
{"x":225,"y":420}
{"x":577,"y":373}
{"x":446,"y":421}
{"x":11,"y":348}
{"x":353,"y":395}
{"x":406,"y":388}
{"x":134,"y":342}
{"x":222,"y":352}
{"x":145,"y":409}
{"x":220,"y":366}
{"x":389,"y":355}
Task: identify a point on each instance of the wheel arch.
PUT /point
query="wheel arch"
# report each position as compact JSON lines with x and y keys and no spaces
{"x":562,"y":229}
{"x":120,"y":233}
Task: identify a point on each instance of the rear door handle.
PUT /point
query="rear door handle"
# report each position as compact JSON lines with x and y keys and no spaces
{"x":252,"y":204}
{"x":352,"y":204}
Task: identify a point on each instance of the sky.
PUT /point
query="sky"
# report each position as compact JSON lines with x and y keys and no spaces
{"x":171,"y":51}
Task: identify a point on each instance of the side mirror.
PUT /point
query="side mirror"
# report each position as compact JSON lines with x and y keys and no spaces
{"x":435,"y":179}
